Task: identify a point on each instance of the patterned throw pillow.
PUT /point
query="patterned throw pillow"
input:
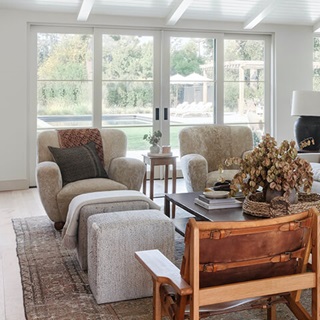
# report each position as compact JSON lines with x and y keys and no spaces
{"x":78,"y":163}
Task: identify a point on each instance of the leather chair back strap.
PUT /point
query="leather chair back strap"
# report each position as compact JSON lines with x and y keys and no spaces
{"x":223,"y":233}
{"x":284,"y":257}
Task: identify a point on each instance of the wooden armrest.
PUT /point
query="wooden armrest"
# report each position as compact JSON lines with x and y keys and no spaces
{"x":163,"y":270}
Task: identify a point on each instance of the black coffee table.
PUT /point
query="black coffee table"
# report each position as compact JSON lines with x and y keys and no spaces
{"x":186,"y":202}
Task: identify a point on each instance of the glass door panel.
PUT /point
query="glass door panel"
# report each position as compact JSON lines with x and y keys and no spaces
{"x":64,"y":80}
{"x":192,"y":83}
{"x":127,"y":87}
{"x":244,"y":84}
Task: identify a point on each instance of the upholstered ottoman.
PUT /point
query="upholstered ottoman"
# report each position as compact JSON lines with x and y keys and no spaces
{"x":113,"y":272}
{"x":86,"y":211}
{"x":85,"y":205}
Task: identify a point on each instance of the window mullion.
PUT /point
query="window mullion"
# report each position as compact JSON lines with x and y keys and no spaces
{"x":97,"y":79}
{"x":219,"y":96}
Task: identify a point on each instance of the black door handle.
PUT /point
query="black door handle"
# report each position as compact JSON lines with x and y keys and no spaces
{"x":165,"y":113}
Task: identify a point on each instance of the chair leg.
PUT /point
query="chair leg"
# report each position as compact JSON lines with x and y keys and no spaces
{"x":59,"y":225}
{"x":315,"y":303}
{"x":298,"y":309}
{"x":272,"y":313}
{"x":156,"y":301}
{"x":271,"y":310}
{"x":181,"y":307}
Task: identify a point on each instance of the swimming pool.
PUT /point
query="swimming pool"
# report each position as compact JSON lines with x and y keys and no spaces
{"x":86,"y":120}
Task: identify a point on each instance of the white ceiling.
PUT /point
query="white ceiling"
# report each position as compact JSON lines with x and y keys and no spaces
{"x":248,"y":12}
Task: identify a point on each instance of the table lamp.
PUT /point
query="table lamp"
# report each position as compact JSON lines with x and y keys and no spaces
{"x":306,"y":105}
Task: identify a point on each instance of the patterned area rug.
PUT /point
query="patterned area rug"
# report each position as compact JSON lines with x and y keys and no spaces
{"x":54,"y":286}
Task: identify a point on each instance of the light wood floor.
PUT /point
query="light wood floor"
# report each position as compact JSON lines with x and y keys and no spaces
{"x":23,"y":204}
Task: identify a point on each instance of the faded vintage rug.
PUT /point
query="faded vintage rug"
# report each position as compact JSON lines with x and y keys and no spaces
{"x":55,"y":287}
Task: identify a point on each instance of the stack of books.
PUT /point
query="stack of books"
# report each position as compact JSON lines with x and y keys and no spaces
{"x":222,"y":203}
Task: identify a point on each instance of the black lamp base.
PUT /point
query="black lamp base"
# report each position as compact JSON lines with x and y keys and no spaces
{"x":307,"y":128}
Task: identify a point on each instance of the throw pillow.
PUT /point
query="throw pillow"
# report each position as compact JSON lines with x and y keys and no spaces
{"x":78,"y":163}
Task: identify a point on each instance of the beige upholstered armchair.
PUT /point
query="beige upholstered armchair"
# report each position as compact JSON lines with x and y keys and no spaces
{"x":204,"y":149}
{"x":64,"y":170}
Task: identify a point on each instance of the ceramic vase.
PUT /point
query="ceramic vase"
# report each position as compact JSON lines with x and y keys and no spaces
{"x":155,"y":148}
{"x":270,"y":194}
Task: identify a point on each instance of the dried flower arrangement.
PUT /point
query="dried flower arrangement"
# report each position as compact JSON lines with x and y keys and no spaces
{"x":268,"y":166}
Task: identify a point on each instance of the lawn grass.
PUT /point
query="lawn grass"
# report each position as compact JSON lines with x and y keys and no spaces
{"x":135,"y":137}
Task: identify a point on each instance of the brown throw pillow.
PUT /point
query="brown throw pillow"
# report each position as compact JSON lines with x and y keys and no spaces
{"x":78,"y":163}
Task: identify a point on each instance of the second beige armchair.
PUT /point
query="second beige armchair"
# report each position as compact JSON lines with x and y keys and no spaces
{"x":204,"y":149}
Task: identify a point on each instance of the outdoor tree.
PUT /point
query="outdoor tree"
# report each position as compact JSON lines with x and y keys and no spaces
{"x":64,"y":67}
{"x":185,"y":59}
{"x":46,"y":43}
{"x":127,"y":73}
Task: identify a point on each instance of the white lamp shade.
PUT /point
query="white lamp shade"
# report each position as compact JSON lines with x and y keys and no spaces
{"x":305,"y":103}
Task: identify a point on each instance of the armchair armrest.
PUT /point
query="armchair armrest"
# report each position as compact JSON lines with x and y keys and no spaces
{"x":163,"y":271}
{"x":195,"y":170}
{"x":310,"y":157}
{"x":49,"y":182}
{"x":128,"y":171}
{"x":248,"y":152}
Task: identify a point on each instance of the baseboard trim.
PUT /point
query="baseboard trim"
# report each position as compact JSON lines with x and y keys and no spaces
{"x":14,"y":185}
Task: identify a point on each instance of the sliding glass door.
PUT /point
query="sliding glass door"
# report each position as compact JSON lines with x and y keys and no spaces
{"x":102,"y":78}
{"x":145,"y":80}
{"x":128,"y":97}
{"x":142,"y":81}
{"x":192,"y":79}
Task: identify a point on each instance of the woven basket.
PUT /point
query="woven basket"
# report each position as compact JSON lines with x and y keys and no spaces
{"x":255,"y":205}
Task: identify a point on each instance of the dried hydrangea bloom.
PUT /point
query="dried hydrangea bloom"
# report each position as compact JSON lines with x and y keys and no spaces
{"x":269,"y":166}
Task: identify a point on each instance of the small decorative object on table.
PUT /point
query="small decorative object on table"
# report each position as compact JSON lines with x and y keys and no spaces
{"x":222,"y":186}
{"x":166,"y":149}
{"x":211,"y":199}
{"x":153,"y":139}
{"x":279,"y":173}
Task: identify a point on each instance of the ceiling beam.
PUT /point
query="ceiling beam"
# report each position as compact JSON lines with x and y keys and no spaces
{"x":177,"y":12}
{"x":85,"y":10}
{"x":257,"y":18}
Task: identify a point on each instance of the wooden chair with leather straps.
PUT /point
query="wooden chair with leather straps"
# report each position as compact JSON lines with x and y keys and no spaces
{"x":230,"y":266}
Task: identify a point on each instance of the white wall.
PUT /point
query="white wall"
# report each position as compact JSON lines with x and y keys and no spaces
{"x":293,"y":48}
{"x":293,"y":71}
{"x":13,"y":102}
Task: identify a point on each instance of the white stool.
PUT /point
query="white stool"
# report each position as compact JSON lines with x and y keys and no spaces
{"x":113,"y":272}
